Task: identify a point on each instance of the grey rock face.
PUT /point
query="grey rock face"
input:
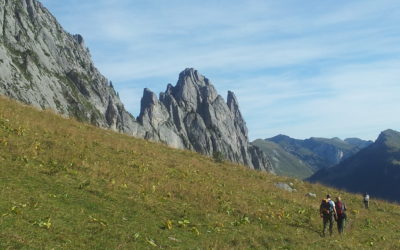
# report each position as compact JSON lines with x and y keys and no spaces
{"x":154,"y":117}
{"x":192,"y":115}
{"x":43,"y":65}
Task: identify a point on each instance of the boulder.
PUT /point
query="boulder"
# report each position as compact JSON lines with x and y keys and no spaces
{"x":311,"y":195}
{"x":284,"y":186}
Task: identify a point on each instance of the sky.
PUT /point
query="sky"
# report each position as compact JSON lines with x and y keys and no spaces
{"x":301,"y":68}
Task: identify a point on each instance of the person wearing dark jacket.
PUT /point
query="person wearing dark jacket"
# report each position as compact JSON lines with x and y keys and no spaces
{"x":327,"y":212}
{"x":341,"y":214}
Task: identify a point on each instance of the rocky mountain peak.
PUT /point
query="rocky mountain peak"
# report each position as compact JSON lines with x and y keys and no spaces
{"x":280,"y":137}
{"x":193,"y":89}
{"x":194,"y":116}
{"x":43,"y":65}
{"x":191,"y":75}
{"x":232,"y":102}
{"x":233,"y":105}
{"x":388,"y":138}
{"x":388,"y":133}
{"x":149,"y":99}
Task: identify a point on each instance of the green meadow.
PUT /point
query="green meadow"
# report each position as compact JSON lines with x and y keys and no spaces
{"x":70,"y":185}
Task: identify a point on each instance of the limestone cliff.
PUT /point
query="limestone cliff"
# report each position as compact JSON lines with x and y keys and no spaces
{"x":43,"y":65}
{"x":192,"y":115}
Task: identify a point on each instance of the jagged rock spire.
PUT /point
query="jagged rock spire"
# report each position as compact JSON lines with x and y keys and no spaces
{"x":193,"y":111}
{"x":234,"y":108}
{"x":45,"y":66}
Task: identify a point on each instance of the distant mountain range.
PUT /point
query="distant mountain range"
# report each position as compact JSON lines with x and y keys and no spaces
{"x":301,"y":158}
{"x":284,"y":163}
{"x":375,"y":169}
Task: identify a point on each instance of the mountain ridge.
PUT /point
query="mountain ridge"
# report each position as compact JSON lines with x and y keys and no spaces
{"x":375,"y":169}
{"x":194,"y":103}
{"x":320,"y":152}
{"x":284,"y":163}
{"x":43,"y":65}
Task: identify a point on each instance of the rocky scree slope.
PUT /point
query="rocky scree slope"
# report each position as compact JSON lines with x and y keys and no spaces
{"x":45,"y":66}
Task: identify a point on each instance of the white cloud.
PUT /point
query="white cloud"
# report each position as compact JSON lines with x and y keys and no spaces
{"x":359,"y":100}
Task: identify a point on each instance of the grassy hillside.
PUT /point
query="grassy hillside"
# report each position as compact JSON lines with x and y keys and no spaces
{"x":67,"y":185}
{"x":284,"y":163}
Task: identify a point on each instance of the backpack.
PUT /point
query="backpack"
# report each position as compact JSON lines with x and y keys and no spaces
{"x":326,"y":207}
{"x":340,"y":208}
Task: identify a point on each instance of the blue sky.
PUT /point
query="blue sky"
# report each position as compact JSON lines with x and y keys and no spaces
{"x":301,"y":68}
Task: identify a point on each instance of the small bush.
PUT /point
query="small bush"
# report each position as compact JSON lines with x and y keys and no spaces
{"x":218,"y":157}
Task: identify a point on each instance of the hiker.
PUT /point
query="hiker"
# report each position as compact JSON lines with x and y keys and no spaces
{"x":366,"y":200}
{"x":341,"y":214}
{"x":327,"y":212}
